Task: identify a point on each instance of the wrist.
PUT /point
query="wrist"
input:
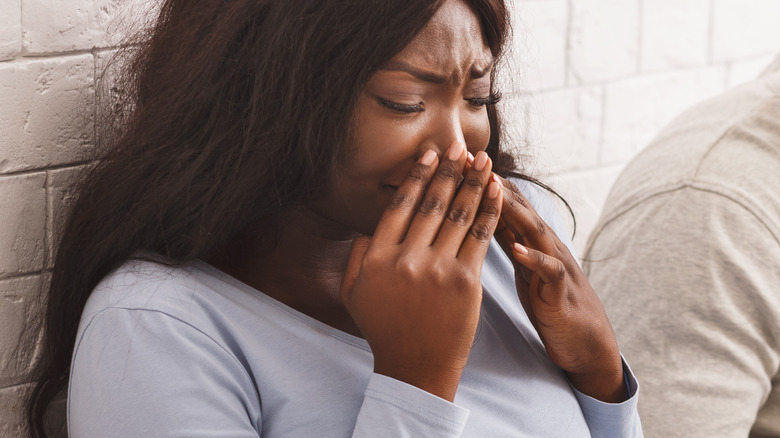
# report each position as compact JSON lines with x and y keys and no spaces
{"x":607,"y":384}
{"x":441,"y":382}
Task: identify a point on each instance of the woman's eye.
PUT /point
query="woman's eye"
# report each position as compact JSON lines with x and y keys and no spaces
{"x":400,"y":107}
{"x":493,"y":99}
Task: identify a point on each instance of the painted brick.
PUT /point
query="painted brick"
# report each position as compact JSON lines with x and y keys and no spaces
{"x":538,"y":49}
{"x":514,"y":115}
{"x":565,"y":125}
{"x":10,"y":28}
{"x":12,"y":421}
{"x":19,"y":309}
{"x":586,"y":193}
{"x":60,"y":196}
{"x":740,"y":72}
{"x":674,"y":34}
{"x":12,"y":401}
{"x":51,"y":26}
{"x":744,"y":28}
{"x":637,"y":108}
{"x":22,"y":215}
{"x":47,"y":113}
{"x":604,"y":39}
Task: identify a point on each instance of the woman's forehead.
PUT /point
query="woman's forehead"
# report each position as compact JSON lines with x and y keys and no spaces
{"x":451,"y":43}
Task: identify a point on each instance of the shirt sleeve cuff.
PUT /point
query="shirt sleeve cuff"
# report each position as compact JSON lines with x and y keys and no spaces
{"x":612,"y":417}
{"x":393,"y":408}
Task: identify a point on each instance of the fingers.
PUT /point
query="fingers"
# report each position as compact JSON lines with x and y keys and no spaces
{"x":460,"y":219}
{"x":520,"y":223}
{"x":436,"y":202}
{"x":480,"y":232}
{"x":506,"y":239}
{"x":523,"y":220}
{"x":359,"y":248}
{"x":528,"y":227}
{"x":549,"y":270}
{"x":395,"y":221}
{"x":435,"y":207}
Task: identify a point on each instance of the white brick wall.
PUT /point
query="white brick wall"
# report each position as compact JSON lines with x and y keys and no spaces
{"x":630,"y":66}
{"x":603,"y":40}
{"x":22,"y":215}
{"x":662,"y":24}
{"x":591,"y":82}
{"x":10,"y":28}
{"x":47,"y":111}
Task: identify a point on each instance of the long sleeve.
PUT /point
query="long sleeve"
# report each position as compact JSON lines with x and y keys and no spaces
{"x":604,"y":420}
{"x":191,"y":351}
{"x":613,"y":420}
{"x":140,"y":372}
{"x":145,"y":373}
{"x":395,"y":409}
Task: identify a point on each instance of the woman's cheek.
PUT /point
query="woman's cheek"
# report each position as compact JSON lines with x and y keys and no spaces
{"x":386,"y":146}
{"x":476,"y":131}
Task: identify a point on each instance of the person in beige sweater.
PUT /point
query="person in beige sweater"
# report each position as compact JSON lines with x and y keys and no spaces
{"x":686,"y":258}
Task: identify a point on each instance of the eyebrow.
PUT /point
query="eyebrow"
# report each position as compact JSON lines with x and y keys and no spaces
{"x":429,"y":76}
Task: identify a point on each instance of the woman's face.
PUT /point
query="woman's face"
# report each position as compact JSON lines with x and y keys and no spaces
{"x":430,"y":95}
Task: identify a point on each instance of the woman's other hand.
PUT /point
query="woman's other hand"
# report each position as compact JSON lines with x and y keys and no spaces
{"x":414,"y":288}
{"x":559,"y":301}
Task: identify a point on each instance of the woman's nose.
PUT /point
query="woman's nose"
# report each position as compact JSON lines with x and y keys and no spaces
{"x":447,"y":130}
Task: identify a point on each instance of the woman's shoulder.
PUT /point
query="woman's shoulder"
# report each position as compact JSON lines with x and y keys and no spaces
{"x":143,"y":282}
{"x":189,"y":292}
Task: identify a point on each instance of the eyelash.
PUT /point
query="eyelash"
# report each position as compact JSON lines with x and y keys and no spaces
{"x":401,"y":108}
{"x":492,"y":99}
{"x":479,"y":102}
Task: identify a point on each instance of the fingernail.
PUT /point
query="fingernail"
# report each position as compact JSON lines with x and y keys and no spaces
{"x":520,"y":249}
{"x":492,"y":190}
{"x":470,"y":157}
{"x":480,"y":161}
{"x":497,"y":179}
{"x":456,"y":150}
{"x":428,"y":157}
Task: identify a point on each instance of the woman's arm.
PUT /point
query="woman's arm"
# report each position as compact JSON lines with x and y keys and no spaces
{"x":140,"y":372}
{"x":420,"y":272}
{"x":566,"y":312}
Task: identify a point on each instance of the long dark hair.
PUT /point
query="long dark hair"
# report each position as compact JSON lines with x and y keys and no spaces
{"x":237,"y":108}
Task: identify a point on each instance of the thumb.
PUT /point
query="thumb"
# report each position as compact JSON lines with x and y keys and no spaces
{"x":506,"y":239}
{"x":359,"y":248}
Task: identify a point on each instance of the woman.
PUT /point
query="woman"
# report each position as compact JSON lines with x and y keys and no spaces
{"x":280,"y":244}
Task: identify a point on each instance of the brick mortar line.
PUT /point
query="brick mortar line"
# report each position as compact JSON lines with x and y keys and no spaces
{"x":44,"y":169}
{"x":18,"y":385}
{"x":602,"y":125}
{"x":21,"y":26}
{"x":711,"y":32}
{"x":65,"y":54}
{"x":587,"y":172}
{"x":22,"y":275}
{"x":567,"y":57}
{"x":607,"y":82}
{"x":640,"y":37}
{"x":47,"y":215}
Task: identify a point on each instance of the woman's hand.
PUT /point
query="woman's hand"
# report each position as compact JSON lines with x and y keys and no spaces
{"x":560,"y":302}
{"x":414,"y":288}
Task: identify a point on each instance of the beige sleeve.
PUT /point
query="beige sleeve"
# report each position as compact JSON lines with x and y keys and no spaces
{"x":691,"y":282}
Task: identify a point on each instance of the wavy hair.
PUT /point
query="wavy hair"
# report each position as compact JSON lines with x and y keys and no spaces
{"x":236,"y":109}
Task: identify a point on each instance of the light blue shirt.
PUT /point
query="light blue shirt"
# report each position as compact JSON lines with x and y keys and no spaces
{"x":189,"y":351}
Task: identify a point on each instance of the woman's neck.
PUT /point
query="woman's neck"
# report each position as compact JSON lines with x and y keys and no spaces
{"x":301,"y":264}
